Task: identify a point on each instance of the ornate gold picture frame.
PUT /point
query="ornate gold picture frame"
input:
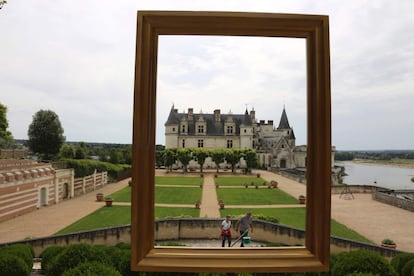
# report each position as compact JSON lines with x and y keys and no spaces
{"x":314,"y":256}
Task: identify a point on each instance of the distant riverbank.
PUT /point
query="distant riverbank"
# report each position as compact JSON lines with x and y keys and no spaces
{"x":397,"y":163}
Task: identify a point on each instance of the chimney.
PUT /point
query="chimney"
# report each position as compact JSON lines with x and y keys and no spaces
{"x":190,"y":114}
{"x":270,"y":122}
{"x":262,"y":122}
{"x":217,"y":115}
{"x":253,"y":115}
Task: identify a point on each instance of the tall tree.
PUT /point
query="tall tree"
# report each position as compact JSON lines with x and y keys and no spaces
{"x":232,"y":156}
{"x":6,"y":138}
{"x":251,"y":159}
{"x":170,"y":157}
{"x":67,"y":151}
{"x":184,"y":156}
{"x":201,"y":155}
{"x":45,"y":134}
{"x":217,"y":156}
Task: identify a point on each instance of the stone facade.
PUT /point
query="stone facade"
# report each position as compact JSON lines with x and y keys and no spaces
{"x":275,"y":146}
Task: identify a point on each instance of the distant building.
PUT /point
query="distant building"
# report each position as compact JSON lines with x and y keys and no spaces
{"x":275,"y":146}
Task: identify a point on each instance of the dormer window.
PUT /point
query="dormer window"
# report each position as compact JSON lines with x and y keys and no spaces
{"x":229,"y":129}
{"x":200,"y":129}
{"x":183,"y":128}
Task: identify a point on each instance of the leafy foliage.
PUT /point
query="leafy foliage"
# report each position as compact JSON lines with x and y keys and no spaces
{"x":6,"y":138}
{"x":45,"y":134}
{"x":48,"y":255}
{"x":22,"y":251}
{"x":84,"y":167}
{"x":184,"y":156}
{"x":13,"y":265}
{"x":92,"y":269}
{"x":362,"y":261}
{"x":400,"y":260}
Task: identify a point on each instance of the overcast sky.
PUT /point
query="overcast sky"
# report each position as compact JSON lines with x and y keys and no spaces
{"x":77,"y":59}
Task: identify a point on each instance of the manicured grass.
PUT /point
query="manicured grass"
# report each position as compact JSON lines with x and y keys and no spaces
{"x":121,"y":215}
{"x":101,"y":218}
{"x":252,"y":196}
{"x":295,"y":217}
{"x":178,"y":180}
{"x":169,"y":212}
{"x":175,"y":195}
{"x":123,"y":195}
{"x":239,"y":181}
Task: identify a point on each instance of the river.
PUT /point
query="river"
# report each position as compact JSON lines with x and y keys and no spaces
{"x":377,"y":175}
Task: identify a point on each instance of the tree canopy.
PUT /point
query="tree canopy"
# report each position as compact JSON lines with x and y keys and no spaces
{"x":6,"y":138}
{"x":45,"y":134}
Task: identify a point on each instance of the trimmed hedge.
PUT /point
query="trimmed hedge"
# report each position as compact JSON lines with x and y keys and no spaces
{"x":408,"y":268}
{"x":74,"y":255}
{"x":85,"y":167}
{"x":13,"y":265}
{"x":400,"y":260}
{"x":362,"y":261}
{"x":23,"y":251}
{"x":48,"y":255}
{"x":92,"y":269}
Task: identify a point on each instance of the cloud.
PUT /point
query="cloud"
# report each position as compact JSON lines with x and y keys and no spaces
{"x":78,"y":60}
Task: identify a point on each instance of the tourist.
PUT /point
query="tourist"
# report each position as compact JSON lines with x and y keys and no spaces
{"x":226,"y":231}
{"x":243,"y":225}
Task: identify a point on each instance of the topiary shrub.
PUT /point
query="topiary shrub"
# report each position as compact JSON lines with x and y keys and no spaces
{"x":400,"y":260}
{"x":362,"y":261}
{"x":13,"y":265}
{"x":73,"y":255}
{"x":123,"y":245}
{"x":23,"y":251}
{"x":92,"y":269}
{"x":408,"y":268}
{"x":49,"y":254}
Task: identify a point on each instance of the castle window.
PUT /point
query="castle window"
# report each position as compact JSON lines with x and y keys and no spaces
{"x":229,"y":129}
{"x":229,"y":144}
{"x":183,"y":143}
{"x":183,"y":127}
{"x":200,"y":129}
{"x":173,"y":129}
{"x":245,"y":130}
{"x":200,"y":143}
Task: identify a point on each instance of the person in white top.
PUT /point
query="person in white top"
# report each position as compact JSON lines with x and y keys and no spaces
{"x":226,"y":231}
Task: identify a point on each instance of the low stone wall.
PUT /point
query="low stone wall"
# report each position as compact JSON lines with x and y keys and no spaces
{"x":357,"y":189}
{"x":391,"y":199}
{"x":192,"y":228}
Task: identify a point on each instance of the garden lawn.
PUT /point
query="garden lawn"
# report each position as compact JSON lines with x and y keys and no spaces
{"x":169,"y":212}
{"x":178,"y":180}
{"x":123,"y":195}
{"x":295,"y":217}
{"x":252,"y":196}
{"x":101,"y":218}
{"x":239,"y":181}
{"x":121,"y":215}
{"x":177,"y":195}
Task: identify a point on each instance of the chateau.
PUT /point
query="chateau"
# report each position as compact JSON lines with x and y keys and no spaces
{"x":275,"y":146}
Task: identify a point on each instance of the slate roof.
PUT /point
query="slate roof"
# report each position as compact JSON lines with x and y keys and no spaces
{"x":213,"y":127}
{"x":284,"y":122}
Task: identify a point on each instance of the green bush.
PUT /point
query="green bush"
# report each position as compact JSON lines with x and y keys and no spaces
{"x":73,"y":255}
{"x":408,"y":268}
{"x":92,"y":269}
{"x":23,"y":251}
{"x":123,"y":245}
{"x":13,"y":265}
{"x":266,"y":218}
{"x":49,"y":254}
{"x":362,"y":261}
{"x":400,"y":260}
{"x":85,"y":167}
